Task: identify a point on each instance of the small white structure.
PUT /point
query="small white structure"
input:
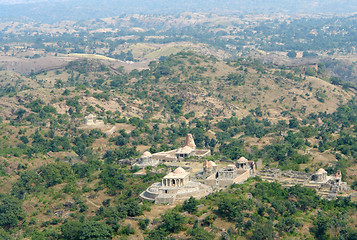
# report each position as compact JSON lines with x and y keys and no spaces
{"x":184,"y":152}
{"x":91,"y":120}
{"x":177,"y":178}
{"x":209,"y":168}
{"x":147,"y":160}
{"x":224,"y":177}
{"x":242,"y":163}
{"x":319,"y":176}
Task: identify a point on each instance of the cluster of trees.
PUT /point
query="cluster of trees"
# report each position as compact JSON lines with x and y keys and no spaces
{"x":274,"y":209}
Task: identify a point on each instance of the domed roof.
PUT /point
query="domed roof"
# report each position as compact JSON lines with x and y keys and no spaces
{"x":179,"y":170}
{"x":231,"y":166}
{"x":209,"y":164}
{"x":146,"y":154}
{"x":242,"y":160}
{"x":321,"y":171}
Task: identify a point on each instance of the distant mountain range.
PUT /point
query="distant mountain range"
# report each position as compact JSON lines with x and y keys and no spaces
{"x":57,"y":10}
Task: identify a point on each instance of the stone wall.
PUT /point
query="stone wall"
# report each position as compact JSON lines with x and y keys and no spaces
{"x":242,"y":177}
{"x":165,"y":200}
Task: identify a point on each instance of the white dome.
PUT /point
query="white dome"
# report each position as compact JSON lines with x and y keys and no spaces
{"x":179,"y":170}
{"x":321,"y":171}
{"x":242,"y":160}
{"x":146,"y":154}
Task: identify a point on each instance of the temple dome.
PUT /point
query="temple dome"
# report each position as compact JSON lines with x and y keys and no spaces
{"x":146,"y":154}
{"x":179,"y":170}
{"x":231,"y":166}
{"x":321,"y":171}
{"x":242,"y":160}
{"x":209,"y":164}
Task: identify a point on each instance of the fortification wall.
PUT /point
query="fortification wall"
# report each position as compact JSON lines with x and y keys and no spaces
{"x":242,"y":177}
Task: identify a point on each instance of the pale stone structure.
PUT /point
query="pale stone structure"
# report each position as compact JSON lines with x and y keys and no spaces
{"x":209,"y":168}
{"x":189,"y":150}
{"x":91,"y":120}
{"x":147,"y":160}
{"x":243,"y":163}
{"x":177,"y":178}
{"x":185,"y":152}
{"x":319,"y":122}
{"x":231,"y":174}
{"x":319,"y":176}
{"x":326,"y":186}
{"x":190,"y":142}
{"x":176,"y":185}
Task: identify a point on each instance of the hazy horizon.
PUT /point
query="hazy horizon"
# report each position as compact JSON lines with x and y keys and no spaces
{"x":52,"y":11}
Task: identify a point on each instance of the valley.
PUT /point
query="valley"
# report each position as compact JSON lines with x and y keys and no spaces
{"x":81,"y":101}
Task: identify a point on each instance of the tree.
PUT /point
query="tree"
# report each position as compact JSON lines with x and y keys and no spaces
{"x":335,"y":80}
{"x":71,"y":230}
{"x":293,"y":123}
{"x":233,"y":149}
{"x":200,"y":234}
{"x":310,"y":71}
{"x":190,"y":205}
{"x":20,"y":113}
{"x":263,"y":232}
{"x":29,"y":182}
{"x":291,"y":54}
{"x":10,"y":211}
{"x":4,"y":235}
{"x":322,"y":224}
{"x":281,"y":126}
{"x":91,"y":230}
{"x":172,"y":222}
{"x":54,"y":173}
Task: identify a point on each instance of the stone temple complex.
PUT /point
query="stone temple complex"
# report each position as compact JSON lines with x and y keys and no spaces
{"x":326,"y":186}
{"x":176,"y":185}
{"x":224,"y":177}
{"x":188,"y":150}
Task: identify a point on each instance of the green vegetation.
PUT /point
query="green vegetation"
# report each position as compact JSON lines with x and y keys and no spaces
{"x":63,"y":180}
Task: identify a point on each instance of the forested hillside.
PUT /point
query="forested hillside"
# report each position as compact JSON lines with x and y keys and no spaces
{"x":61,"y":179}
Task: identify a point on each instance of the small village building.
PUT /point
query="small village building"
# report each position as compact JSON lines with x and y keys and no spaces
{"x":244,"y":164}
